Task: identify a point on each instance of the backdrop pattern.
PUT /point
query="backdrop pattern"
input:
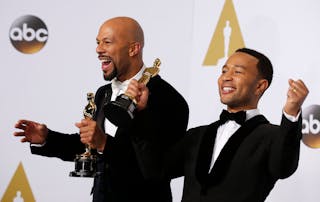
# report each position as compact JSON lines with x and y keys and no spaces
{"x":47,"y":81}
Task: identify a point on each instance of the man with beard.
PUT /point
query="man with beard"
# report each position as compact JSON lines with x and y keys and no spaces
{"x":164,"y":120}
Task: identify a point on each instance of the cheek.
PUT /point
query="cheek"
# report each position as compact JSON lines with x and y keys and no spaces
{"x":249,"y":89}
{"x":244,"y":87}
{"x":219,"y":81}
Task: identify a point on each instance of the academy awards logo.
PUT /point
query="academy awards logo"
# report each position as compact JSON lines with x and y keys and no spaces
{"x":18,"y":189}
{"x":226,"y":39}
{"x":28,"y":34}
{"x":311,"y":126}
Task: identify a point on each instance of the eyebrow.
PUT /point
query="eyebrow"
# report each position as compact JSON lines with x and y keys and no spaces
{"x":105,"y":38}
{"x":228,"y":65}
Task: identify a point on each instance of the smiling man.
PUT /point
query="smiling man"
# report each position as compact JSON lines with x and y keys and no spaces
{"x":164,"y":119}
{"x":240,"y":157}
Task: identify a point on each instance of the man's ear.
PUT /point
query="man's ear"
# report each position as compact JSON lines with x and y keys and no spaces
{"x":263,"y":84}
{"x":134,"y":48}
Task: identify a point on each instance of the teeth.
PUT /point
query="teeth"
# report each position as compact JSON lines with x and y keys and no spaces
{"x":105,"y":60}
{"x":227,"y":89}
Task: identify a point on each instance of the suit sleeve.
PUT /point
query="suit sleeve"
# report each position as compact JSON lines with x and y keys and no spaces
{"x":60,"y":145}
{"x":159,"y":127}
{"x":285,"y":148}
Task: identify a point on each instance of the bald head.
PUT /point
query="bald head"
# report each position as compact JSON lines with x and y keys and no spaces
{"x":126,"y":28}
{"x":120,"y":43}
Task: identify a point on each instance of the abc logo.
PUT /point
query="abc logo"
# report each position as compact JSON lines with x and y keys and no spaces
{"x":28,"y":34}
{"x":311,"y":126}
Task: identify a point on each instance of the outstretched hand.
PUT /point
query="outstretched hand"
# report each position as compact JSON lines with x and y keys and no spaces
{"x":296,"y":95}
{"x":32,"y":132}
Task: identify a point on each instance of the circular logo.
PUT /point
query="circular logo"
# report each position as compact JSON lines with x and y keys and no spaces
{"x":28,"y":34}
{"x":311,"y":126}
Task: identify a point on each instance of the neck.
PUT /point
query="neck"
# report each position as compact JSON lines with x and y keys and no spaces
{"x":237,"y":109}
{"x":132,"y":70}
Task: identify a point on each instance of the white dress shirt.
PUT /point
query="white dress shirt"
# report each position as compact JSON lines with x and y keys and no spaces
{"x":226,"y":130}
{"x":119,"y":88}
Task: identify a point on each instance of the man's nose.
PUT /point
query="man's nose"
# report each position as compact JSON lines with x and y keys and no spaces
{"x":227,"y":76}
{"x":99,"y":48}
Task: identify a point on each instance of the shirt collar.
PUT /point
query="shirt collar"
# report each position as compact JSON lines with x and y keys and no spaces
{"x":115,"y":83}
{"x":251,"y":113}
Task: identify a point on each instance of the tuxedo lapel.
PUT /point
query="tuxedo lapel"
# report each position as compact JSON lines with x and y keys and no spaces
{"x":205,"y":152}
{"x":101,"y":101}
{"x":226,"y":155}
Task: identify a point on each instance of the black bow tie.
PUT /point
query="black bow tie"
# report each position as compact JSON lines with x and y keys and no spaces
{"x":239,"y":117}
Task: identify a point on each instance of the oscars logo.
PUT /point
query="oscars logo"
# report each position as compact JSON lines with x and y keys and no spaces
{"x":227,"y":37}
{"x":85,"y":164}
{"x":121,"y":111}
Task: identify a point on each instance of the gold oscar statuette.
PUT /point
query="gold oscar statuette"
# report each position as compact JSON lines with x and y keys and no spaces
{"x":121,"y":111}
{"x":85,"y":164}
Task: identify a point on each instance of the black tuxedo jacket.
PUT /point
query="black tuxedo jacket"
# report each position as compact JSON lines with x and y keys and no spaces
{"x":163,"y":123}
{"x":253,"y":159}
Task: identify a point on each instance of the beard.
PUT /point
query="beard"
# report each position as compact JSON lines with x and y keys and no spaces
{"x":111,"y":76}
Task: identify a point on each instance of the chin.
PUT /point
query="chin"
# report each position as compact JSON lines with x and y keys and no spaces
{"x":224,"y":100}
{"x":228,"y":102}
{"x":109,"y":77}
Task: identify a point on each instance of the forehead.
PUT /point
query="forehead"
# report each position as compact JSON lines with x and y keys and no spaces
{"x":106,"y":30}
{"x":111,"y":30}
{"x":240,"y":59}
{"x":105,"y":33}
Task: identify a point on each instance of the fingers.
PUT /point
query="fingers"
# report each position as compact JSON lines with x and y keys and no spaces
{"x":18,"y":134}
{"x":142,"y":87}
{"x":21,"y":134}
{"x":144,"y":96}
{"x":133,"y":89}
{"x":139,"y":92}
{"x":22,"y":124}
{"x":297,"y":93}
{"x":84,"y":127}
{"x":84,"y":122}
{"x":298,"y":89}
{"x":91,"y":134}
{"x":24,"y":140}
{"x":87,"y":129}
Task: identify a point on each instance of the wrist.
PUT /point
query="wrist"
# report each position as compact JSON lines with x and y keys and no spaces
{"x":100,"y":148}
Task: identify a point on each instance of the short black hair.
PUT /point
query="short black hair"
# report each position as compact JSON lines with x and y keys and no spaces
{"x":264,"y":65}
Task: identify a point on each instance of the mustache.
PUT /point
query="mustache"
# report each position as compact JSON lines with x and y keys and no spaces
{"x":104,"y":57}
